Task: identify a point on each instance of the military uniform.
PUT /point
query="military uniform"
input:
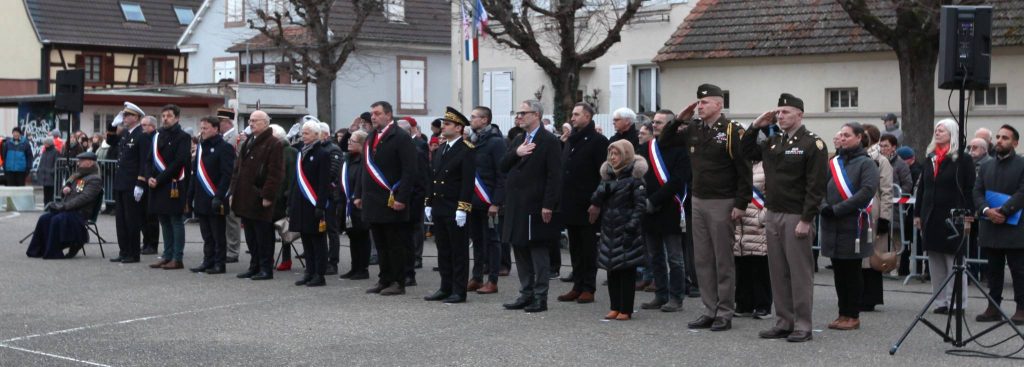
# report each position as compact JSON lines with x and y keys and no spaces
{"x":796,"y":172}
{"x":130,"y":215}
{"x":450,"y":196}
{"x":721,"y":183}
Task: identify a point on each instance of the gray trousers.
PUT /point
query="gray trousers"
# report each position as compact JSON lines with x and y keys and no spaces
{"x":791,"y":267}
{"x":713,"y":235}
{"x":233,"y":229}
{"x":534,"y":268}
{"x":941,"y":265}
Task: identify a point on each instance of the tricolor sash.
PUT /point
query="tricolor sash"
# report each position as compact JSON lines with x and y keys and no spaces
{"x":481,"y":190}
{"x":661,"y":169}
{"x":757,"y":199}
{"x":346,"y":189}
{"x":304,"y":186}
{"x":204,"y":177}
{"x":375,"y":173}
{"x":838,"y":169}
{"x":158,"y":160}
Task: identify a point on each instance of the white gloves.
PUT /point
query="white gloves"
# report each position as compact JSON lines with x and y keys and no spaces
{"x":426,"y":214}
{"x":460,"y":218}
{"x":138,"y":194}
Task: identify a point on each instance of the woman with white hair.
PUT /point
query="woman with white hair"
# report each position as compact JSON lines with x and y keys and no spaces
{"x":308,"y":203}
{"x":947,"y":180}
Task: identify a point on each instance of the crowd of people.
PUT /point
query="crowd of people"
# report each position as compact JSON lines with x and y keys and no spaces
{"x":686,"y":203}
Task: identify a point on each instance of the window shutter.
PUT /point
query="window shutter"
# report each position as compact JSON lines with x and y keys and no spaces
{"x":412,"y":85}
{"x":255,"y":74}
{"x":617,"y":87}
{"x":167,"y":73}
{"x":501,"y":93}
{"x":284,"y":74}
{"x":485,"y":91}
{"x":107,"y":72}
{"x":79,"y":61}
{"x":142,"y":71}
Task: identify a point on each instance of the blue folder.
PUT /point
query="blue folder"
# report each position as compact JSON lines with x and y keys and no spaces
{"x":997,"y":199}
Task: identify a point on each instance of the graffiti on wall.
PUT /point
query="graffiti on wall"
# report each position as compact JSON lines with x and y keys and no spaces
{"x":36,"y":122}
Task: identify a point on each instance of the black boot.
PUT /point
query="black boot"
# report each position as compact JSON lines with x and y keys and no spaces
{"x":317,"y":281}
{"x":305,"y":279}
{"x":539,"y":304}
{"x":519,"y":304}
{"x":248,"y":273}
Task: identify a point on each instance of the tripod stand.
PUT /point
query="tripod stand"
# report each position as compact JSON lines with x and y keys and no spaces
{"x":956,"y":318}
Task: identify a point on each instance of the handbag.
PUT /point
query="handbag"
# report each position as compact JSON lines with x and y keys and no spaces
{"x":282,"y":230}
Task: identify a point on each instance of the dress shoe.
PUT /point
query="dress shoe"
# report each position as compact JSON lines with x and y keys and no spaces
{"x":216,"y":269}
{"x":201,"y":268}
{"x":941,"y":310}
{"x":799,"y":336}
{"x":347,"y":275}
{"x":702,"y":322}
{"x":473,"y":285}
{"x":488,"y":288}
{"x":569,"y":296}
{"x":159,"y":264}
{"x":721,"y":324}
{"x":624,"y":317}
{"x":762,"y":314}
{"x":263,"y":275}
{"x":567,"y":278}
{"x":284,"y":265}
{"x":148,"y":250}
{"x":848,"y":324}
{"x":673,"y":305}
{"x":332,"y":269}
{"x":553,"y":275}
{"x":455,"y":298}
{"x":410,"y":282}
{"x":248,"y":274}
{"x":317,"y":281}
{"x":503,"y":272}
{"x":305,"y":279}
{"x":774,"y":333}
{"x":1018,"y":318}
{"x":654,"y":304}
{"x":835,"y":323}
{"x":519,"y":304}
{"x":585,"y":297}
{"x":376,"y":288}
{"x":991,"y":314}
{"x":129,"y":260}
{"x":437,"y":296}
{"x":393,"y":290}
{"x":743,"y":314}
{"x":611,"y":315}
{"x":867,"y":308}
{"x":538,"y":305}
{"x":117,"y":259}
{"x":173,"y":265}
{"x":231,"y":260}
{"x":360,"y":275}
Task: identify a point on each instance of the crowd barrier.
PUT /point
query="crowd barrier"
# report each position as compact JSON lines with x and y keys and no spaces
{"x":67,"y":166}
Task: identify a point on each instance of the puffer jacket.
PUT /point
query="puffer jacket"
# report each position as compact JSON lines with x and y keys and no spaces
{"x":621,"y":199}
{"x":750,"y":237}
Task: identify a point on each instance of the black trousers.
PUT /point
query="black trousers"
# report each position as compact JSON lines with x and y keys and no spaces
{"x":486,"y":246}
{"x":583,"y":255}
{"x":753,"y":284}
{"x":359,"y":248}
{"x":621,"y":289}
{"x":506,"y":248}
{"x":555,"y":257}
{"x":394,"y":244}
{"x":215,"y":242}
{"x":452,"y":255}
{"x":997,"y":260}
{"x":333,"y":247}
{"x":849,"y":286}
{"x":47,"y":195}
{"x":416,"y":238}
{"x":150,"y":227}
{"x":872,"y":295}
{"x":314,"y":246}
{"x":532,"y":264}
{"x":15,"y":178}
{"x":259,"y":238}
{"x":129,"y":218}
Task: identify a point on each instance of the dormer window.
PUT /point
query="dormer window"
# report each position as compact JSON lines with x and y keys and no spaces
{"x":133,"y":12}
{"x":184,"y":14}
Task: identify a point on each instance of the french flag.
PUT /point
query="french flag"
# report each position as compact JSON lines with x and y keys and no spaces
{"x":469,"y":41}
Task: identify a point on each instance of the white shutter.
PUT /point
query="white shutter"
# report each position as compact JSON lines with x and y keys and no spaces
{"x":501,"y":93}
{"x":617,"y":87}
{"x":485,"y":90}
{"x":269,"y":74}
{"x":412,"y":95}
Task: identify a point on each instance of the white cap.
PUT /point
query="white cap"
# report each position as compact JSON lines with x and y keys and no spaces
{"x":131,"y":107}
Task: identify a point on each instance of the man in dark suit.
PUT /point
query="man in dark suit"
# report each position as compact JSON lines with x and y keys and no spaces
{"x":534,"y":169}
{"x":167,"y":174}
{"x":489,"y":196}
{"x":390,"y":160}
{"x":129,"y":185}
{"x":448,"y":204}
{"x":214,"y":162}
{"x":582,"y":156}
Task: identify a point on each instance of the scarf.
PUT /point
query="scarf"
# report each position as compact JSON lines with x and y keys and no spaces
{"x":626,"y":154}
{"x":940,"y":155}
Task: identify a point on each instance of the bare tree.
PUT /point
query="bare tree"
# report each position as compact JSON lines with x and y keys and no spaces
{"x":560,"y":36}
{"x":915,"y":39}
{"x":315,"y":51}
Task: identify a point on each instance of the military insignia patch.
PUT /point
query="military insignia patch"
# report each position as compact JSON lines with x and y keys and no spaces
{"x":821,"y":146}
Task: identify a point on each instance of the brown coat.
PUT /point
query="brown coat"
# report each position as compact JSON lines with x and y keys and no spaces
{"x":258,"y":175}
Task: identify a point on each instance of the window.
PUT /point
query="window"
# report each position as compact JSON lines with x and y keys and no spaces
{"x":225,"y":69}
{"x":497,"y":92}
{"x":234,"y":15}
{"x":725,"y":102}
{"x":648,"y":93}
{"x":994,"y":96}
{"x":412,"y":87}
{"x":842,"y":99}
{"x":184,"y":14}
{"x":155,"y":71}
{"x":617,"y":87}
{"x":132,"y":12}
{"x":269,"y":74}
{"x":394,"y":11}
{"x":93,"y":68}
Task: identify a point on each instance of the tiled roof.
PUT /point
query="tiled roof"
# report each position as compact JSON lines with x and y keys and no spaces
{"x":718,"y":29}
{"x":426,"y":22}
{"x":101,"y":23}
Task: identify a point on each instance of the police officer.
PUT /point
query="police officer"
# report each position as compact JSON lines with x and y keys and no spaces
{"x":795,"y":166}
{"x":448,"y":204}
{"x":213,"y":164}
{"x":721,"y":192}
{"x":129,"y":185}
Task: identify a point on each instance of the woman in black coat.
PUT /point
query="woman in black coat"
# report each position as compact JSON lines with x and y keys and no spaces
{"x":947,"y":179}
{"x":620,"y":201}
{"x":308,"y":203}
{"x":358,"y":231}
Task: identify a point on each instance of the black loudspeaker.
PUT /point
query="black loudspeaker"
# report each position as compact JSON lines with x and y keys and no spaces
{"x":965,"y":47}
{"x":70,"y":90}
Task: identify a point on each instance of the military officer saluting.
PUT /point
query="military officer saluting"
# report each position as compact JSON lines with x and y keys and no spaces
{"x":129,"y":185}
{"x":721,"y":191}
{"x":448,"y":203}
{"x":795,"y":167}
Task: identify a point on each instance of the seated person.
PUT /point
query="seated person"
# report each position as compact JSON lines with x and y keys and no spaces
{"x":63,"y":225}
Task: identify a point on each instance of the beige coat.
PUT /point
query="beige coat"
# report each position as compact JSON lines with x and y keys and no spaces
{"x":883,"y":207}
{"x":750,"y":237}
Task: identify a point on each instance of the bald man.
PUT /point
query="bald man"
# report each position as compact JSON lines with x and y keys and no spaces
{"x":259,"y":173}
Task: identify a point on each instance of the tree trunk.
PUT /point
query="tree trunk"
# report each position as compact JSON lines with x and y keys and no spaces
{"x":565,"y":85}
{"x":917,"y":81}
{"x":324,"y":110}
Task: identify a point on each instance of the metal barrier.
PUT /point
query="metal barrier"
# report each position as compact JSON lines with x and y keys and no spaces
{"x":65,"y":167}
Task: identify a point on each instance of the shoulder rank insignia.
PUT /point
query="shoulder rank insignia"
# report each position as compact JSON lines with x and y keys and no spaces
{"x":468,"y":144}
{"x":820,"y":144}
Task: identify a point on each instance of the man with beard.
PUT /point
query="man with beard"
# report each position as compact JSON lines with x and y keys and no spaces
{"x":167,"y":175}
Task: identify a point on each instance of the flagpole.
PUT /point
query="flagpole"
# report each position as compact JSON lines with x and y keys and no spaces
{"x":476,"y":62}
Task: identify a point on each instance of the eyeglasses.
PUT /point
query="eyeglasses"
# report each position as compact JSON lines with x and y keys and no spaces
{"x":523,"y":113}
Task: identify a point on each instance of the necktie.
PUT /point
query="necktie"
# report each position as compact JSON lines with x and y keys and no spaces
{"x":445,"y":150}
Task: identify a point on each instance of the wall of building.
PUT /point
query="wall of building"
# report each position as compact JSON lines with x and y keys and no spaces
{"x":20,"y":73}
{"x":211,"y":38}
{"x":126,"y":66}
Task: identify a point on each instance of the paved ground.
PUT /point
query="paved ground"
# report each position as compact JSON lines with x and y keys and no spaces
{"x":88,"y":311}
